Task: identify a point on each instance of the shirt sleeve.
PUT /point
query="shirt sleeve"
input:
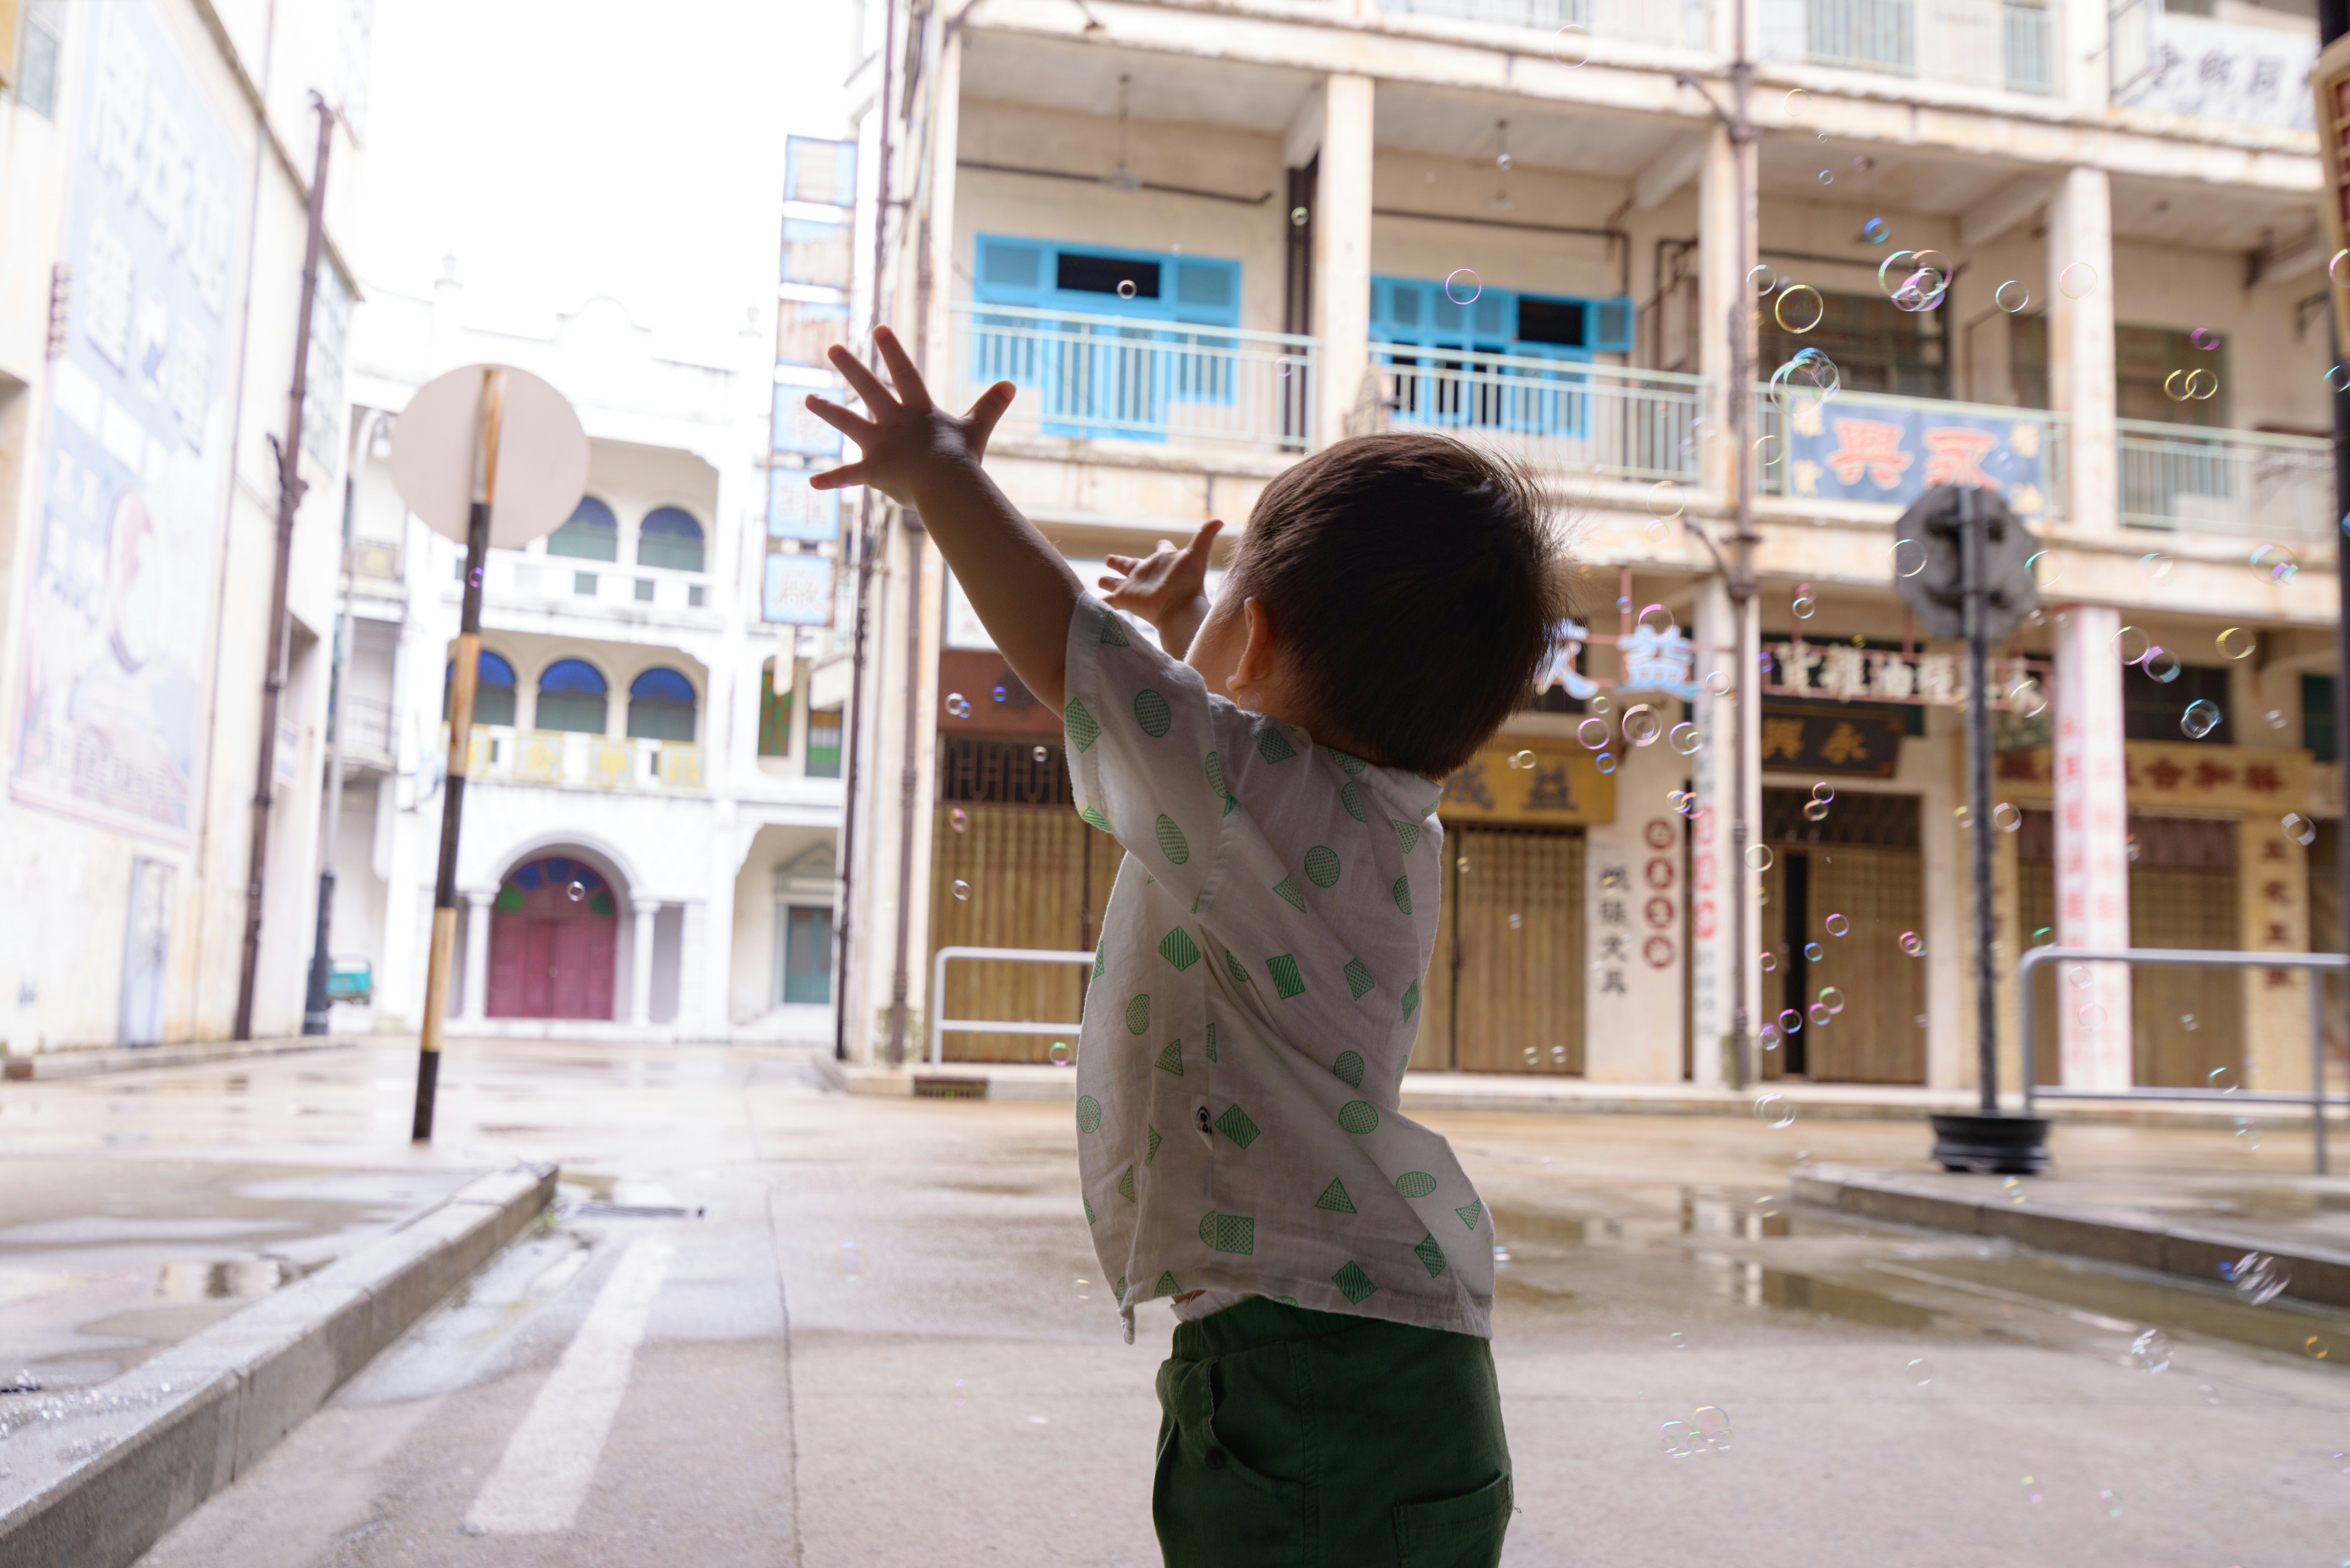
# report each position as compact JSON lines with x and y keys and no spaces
{"x":1147,"y":744}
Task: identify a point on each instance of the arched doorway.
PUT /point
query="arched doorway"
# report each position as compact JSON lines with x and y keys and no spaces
{"x":554,"y":938}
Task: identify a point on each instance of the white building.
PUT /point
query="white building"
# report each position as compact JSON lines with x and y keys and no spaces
{"x":648,"y":837}
{"x":155,"y":164}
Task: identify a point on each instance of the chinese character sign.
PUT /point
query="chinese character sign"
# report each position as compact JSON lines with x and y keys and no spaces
{"x":116,"y":618}
{"x":2224,"y":70}
{"x":797,"y":590}
{"x":797,"y":510}
{"x":1848,"y":450}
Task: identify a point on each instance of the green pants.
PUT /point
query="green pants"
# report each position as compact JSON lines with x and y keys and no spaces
{"x":1299,"y":1440}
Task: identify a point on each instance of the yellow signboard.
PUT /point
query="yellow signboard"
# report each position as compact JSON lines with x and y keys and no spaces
{"x":2177,"y":774}
{"x":1560,"y":786}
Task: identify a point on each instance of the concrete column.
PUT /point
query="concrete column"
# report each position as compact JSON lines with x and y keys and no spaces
{"x":2081,"y":344}
{"x":1717,"y":875}
{"x":1640,"y":859}
{"x":935,"y":352}
{"x":641,"y":964}
{"x":2083,"y":51}
{"x":2092,"y":848}
{"x":1721,"y":287}
{"x":477,"y":954}
{"x":1342,"y":249}
{"x":2272,"y":902}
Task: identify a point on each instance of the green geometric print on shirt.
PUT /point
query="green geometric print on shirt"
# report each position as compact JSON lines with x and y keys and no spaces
{"x":1080,"y":725}
{"x":1358,"y":1117}
{"x":1240,"y":975}
{"x":1470,"y":1213}
{"x":1089,"y":1210}
{"x":1350,"y":796}
{"x":1352,"y":1282}
{"x":1216,"y":782}
{"x":1358,"y":978}
{"x":1411,"y":999}
{"x":1170,"y":841}
{"x":1407,"y":833}
{"x":1228,"y":1232}
{"x":1402,"y":891}
{"x":1431,"y":1256}
{"x":1088,"y":1115}
{"x":1346,"y":764}
{"x":1093,"y":815}
{"x":1126,"y":1185}
{"x":1322,"y":866}
{"x":1274,"y":746}
{"x":1178,"y":949}
{"x":1171,"y":1059}
{"x":1118,"y":1290}
{"x":1114,"y":635}
{"x":1234,"y":1124}
{"x":1414,"y":1183}
{"x":1151,"y":1140}
{"x":1151,"y":711}
{"x":1211,"y":1040}
{"x":1138,"y":1014}
{"x":1166,"y":1285}
{"x":1348,"y":1066}
{"x":1285,"y":978}
{"x":1101,"y":962}
{"x":1334,"y":1200}
{"x":1286,"y":888}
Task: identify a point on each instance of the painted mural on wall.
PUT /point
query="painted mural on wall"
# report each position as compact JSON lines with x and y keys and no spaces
{"x":118,"y":617}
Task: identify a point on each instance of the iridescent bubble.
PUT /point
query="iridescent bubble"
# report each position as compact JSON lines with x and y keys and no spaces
{"x":2224,"y":1079}
{"x":1604,"y":761}
{"x":2111,"y":1503}
{"x":1521,"y":760}
{"x":1805,"y":381}
{"x":1836,"y":925}
{"x":1769,"y":1036}
{"x":1516,"y":920}
{"x":1297,"y":217}
{"x":2276,"y":562}
{"x":2007,"y":816}
{"x":1656,"y":620}
{"x":1717,"y":683}
{"x":2187,"y":1021}
{"x":474,"y":577}
{"x":1804,"y":606}
{"x":1597,"y":704}
{"x":1913,"y":944}
{"x":1908,"y":557}
{"x":1824,"y":792}
{"x":1815,"y":811}
{"x":2236,"y":643}
{"x":1759,"y":856}
{"x":1762,"y":280}
{"x":2299,"y":829}
{"x":2338,"y":269}
{"x":1965,"y":815}
{"x":1712,"y":1424}
{"x":1876,"y":231}
{"x":2259,"y":1277}
{"x":1685,"y":739}
{"x":1819,"y":1013}
{"x":2157,"y":564}
{"x":576,"y":892}
{"x":2200,"y":720}
{"x":1040,"y":753}
{"x":1790,"y":1022}
{"x":959,"y":819}
{"x":1799,"y":103}
{"x":1126,"y":290}
{"x":1461,"y":288}
{"x":1059,"y":1053}
{"x":1809,"y":308}
{"x":1813,"y":952}
{"x":957,"y":705}
{"x":2010,"y":296}
{"x":2078,"y":281}
{"x":2274,"y":718}
{"x":2162,"y":664}
{"x":962,"y":891}
{"x":1592,"y":733}
{"x":1666,"y":499}
{"x":1921,"y":1371}
{"x":848,"y":1262}
{"x":1832,"y":999}
{"x":1774,"y":1111}
{"x":1571,"y":46}
{"x":1642,"y":724}
{"x":2150,"y":1352}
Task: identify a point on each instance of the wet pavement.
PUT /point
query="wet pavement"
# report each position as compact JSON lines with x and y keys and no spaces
{"x":881,"y":1340}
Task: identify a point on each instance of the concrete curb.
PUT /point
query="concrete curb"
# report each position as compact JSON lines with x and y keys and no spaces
{"x":94,"y":1479}
{"x":75,"y":1063}
{"x":2320,"y":1274}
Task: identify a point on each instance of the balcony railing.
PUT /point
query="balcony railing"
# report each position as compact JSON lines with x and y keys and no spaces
{"x":1876,"y":447}
{"x":1550,"y":414}
{"x":1672,"y":23}
{"x":370,"y":738}
{"x":2226,"y":482}
{"x":567,"y":758}
{"x":1094,"y":378}
{"x":2009,"y":44}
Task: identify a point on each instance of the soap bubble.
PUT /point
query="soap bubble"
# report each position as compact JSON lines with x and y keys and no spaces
{"x":1875,"y":231}
{"x":2007,"y":816}
{"x":1799,"y":103}
{"x":1597,"y":704}
{"x":1662,"y":616}
{"x":2275,"y":719}
{"x":1759,"y":856}
{"x":1790,"y":1022}
{"x":2300,"y":829}
{"x":1461,"y":288}
{"x":1604,"y":761}
{"x":1040,"y":753}
{"x":2162,"y":664}
{"x":1836,"y":925}
{"x":1805,"y":381}
{"x":1059,"y":1052}
{"x":2277,"y":563}
{"x":1762,"y":280}
{"x":1516,"y":920}
{"x":1712,"y":1424}
{"x":1965,"y":817}
{"x":1769,"y":1036}
{"x":2157,"y":564}
{"x":2111,"y":1503}
{"x":1533,"y":1057}
{"x":1685,"y":739}
{"x":957,"y":705}
{"x":1642,"y":724}
{"x":959,"y":819}
{"x":2200,"y":720}
{"x":962,"y":891}
{"x":1820,"y":1015}
{"x":1804,"y":606}
{"x":1810,"y":309}
{"x":1824,"y":792}
{"x":576,"y":892}
{"x":1832,"y":999}
{"x":1592,"y":733}
{"x":1297,"y":217}
{"x":1773,"y":1111}
{"x":2187,"y":1021}
{"x":2318,"y":1346}
{"x":1913,"y":944}
{"x":1679,"y":1441}
{"x":1769,"y":961}
{"x":848,"y":1262}
{"x":1521,"y":760}
{"x":1815,"y":811}
{"x":1908,"y":557}
{"x":474,"y":577}
{"x":1921,"y":1372}
{"x":2259,"y":1278}
{"x":2338,"y":269}
{"x":1813,"y":952}
{"x":2010,"y":296}
{"x":1717,"y":684}
{"x":1571,"y":46}
{"x":2078,"y":281}
{"x":2150,"y":1352}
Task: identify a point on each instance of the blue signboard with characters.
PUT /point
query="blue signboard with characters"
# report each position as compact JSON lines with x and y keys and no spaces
{"x":1854,"y":451}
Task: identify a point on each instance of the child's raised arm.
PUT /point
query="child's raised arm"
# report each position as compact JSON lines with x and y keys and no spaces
{"x":922,"y":457}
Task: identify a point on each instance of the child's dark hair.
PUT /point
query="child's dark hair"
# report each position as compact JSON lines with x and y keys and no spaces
{"x":1417,"y":582}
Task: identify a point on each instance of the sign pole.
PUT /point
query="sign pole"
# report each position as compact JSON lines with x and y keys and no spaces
{"x":460,"y":746}
{"x":1972,"y":523}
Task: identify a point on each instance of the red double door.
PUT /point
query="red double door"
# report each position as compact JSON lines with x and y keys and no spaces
{"x":553,"y":942}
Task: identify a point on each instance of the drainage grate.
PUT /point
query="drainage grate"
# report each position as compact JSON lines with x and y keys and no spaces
{"x":950,"y":1088}
{"x":637,"y":1211}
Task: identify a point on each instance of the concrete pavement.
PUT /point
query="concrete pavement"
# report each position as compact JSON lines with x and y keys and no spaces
{"x":883,"y":1342}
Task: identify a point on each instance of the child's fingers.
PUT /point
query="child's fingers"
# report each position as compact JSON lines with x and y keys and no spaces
{"x":986,"y":410}
{"x":1120,"y":562}
{"x":857,"y":427}
{"x":838,"y":478}
{"x":911,"y":390}
{"x":1204,"y":538}
{"x":868,"y":385}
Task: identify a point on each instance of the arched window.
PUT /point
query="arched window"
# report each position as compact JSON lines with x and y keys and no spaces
{"x":592,"y":534}
{"x":571,"y":697}
{"x":670,"y":537}
{"x":493,"y":690}
{"x":660,"y":706}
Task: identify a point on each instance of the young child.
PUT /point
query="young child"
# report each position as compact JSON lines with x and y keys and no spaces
{"x":1257,"y":993}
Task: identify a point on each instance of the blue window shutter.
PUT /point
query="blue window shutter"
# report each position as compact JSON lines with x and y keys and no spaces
{"x":1208,"y":292}
{"x":1493,"y":315}
{"x":1611,"y":324}
{"x":1012,"y":272}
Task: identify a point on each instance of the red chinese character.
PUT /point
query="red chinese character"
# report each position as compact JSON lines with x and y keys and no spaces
{"x":2262,"y":776}
{"x":2271,"y":849}
{"x":2279,"y":980}
{"x":1955,"y":457}
{"x":2167,"y":774}
{"x":2275,"y":894}
{"x":2076,"y":907}
{"x":1872,"y":447}
{"x":2211,"y":775}
{"x":2277,"y":934}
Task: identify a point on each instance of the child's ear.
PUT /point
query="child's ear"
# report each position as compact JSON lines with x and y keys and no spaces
{"x":1256,"y":660}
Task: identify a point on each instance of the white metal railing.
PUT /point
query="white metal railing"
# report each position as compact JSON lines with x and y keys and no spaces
{"x":1094,"y":378}
{"x":369,"y":732}
{"x":1549,"y":413}
{"x":941,"y":1024}
{"x":567,"y":758}
{"x":2225,"y":482}
{"x":2009,"y":44}
{"x":2025,"y":461}
{"x":1672,"y":23}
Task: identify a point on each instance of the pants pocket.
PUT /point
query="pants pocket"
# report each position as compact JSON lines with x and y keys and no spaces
{"x":1211,"y":1509}
{"x":1455,"y":1531}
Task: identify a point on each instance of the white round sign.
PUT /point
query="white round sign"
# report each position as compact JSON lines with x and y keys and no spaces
{"x":542,"y":456}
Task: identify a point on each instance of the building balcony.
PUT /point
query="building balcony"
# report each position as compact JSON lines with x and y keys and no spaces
{"x":1662,"y":24}
{"x":1559,"y":417}
{"x":2246,"y":482}
{"x":1115,"y":378}
{"x":567,"y":759}
{"x":2010,"y":45}
{"x":370,"y":734}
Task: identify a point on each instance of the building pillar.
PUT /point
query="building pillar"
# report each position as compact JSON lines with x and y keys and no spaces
{"x":1721,"y":287}
{"x":2272,"y":902}
{"x":641,"y":964}
{"x":2092,"y":849}
{"x":1640,"y":861}
{"x":2081,"y":344}
{"x":1341,"y":250}
{"x":477,"y":954}
{"x":1718,"y":877}
{"x":936,"y":224}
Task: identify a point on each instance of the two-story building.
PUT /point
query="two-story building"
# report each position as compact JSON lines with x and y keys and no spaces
{"x":652,"y":809}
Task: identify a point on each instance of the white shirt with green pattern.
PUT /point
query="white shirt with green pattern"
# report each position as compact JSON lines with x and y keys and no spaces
{"x":1253,"y":1007}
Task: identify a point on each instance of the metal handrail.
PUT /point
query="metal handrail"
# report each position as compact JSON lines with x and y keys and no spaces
{"x":2185,"y":957}
{"x":1074,"y":320}
{"x":939,"y":1025}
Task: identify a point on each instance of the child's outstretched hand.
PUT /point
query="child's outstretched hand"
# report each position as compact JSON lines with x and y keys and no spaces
{"x":1167,"y":587}
{"x":908,"y":441}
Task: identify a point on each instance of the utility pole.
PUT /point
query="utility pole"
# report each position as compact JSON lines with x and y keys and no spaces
{"x":2332,"y":22}
{"x":290,"y":486}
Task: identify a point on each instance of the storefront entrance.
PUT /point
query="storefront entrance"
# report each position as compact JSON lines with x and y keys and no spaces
{"x":1504,"y":986}
{"x":1846,"y":887}
{"x":554,"y":937}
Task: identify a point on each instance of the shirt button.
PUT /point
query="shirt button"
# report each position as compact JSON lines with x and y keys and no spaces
{"x":1215,"y":1458}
